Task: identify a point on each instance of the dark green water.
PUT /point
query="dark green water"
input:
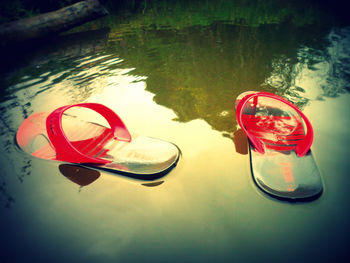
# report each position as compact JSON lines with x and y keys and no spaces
{"x":177,"y":79}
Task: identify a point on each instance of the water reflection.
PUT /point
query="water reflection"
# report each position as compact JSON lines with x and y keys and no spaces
{"x":54,"y":50}
{"x":6,"y":199}
{"x":84,"y":176}
{"x":36,"y":86}
{"x":183,"y":13}
{"x":195,"y":72}
{"x":77,"y":174}
{"x":241,"y":142}
{"x":198,"y":71}
{"x":178,"y":84}
{"x":153,"y":184}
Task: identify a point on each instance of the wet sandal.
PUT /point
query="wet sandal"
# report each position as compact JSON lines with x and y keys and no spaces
{"x":61,"y":137}
{"x":280,"y":137}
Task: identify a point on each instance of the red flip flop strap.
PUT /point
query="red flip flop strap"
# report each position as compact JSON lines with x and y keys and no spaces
{"x":65,"y":148}
{"x":301,"y":148}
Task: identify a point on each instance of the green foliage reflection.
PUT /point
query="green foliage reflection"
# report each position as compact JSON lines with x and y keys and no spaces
{"x":183,"y":13}
{"x":198,"y":71}
{"x":199,"y":55}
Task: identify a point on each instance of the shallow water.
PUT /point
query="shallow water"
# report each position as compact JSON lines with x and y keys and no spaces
{"x":178,"y":85}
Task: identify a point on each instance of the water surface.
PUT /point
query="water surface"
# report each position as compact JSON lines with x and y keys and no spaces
{"x":177,"y":83}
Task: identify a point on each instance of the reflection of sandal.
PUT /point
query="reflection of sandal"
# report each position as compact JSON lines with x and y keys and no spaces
{"x":281,"y":160}
{"x":84,"y":176}
{"x":61,"y":137}
{"x":80,"y":175}
{"x":241,"y":142}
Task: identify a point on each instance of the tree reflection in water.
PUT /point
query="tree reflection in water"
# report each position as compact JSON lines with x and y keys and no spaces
{"x":199,"y":71}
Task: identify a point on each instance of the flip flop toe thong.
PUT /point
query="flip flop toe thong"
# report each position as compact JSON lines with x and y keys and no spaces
{"x":280,"y":137}
{"x":61,"y":137}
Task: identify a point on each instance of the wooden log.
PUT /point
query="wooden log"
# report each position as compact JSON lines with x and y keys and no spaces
{"x":51,"y":23}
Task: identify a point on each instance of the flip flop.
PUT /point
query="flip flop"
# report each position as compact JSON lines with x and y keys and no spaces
{"x":61,"y":137}
{"x":280,"y":137}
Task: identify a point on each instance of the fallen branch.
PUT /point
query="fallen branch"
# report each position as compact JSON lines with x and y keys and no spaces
{"x":51,"y":23}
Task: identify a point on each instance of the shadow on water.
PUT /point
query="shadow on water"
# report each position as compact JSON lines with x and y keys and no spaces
{"x":84,"y":176}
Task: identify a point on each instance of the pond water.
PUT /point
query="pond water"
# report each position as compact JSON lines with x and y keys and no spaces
{"x":177,"y":83}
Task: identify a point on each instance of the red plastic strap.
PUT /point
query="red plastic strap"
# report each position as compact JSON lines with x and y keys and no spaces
{"x":302,"y":146}
{"x":65,"y":149}
{"x":261,"y":123}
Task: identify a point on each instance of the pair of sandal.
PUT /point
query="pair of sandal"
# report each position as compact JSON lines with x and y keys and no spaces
{"x":281,"y":159}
